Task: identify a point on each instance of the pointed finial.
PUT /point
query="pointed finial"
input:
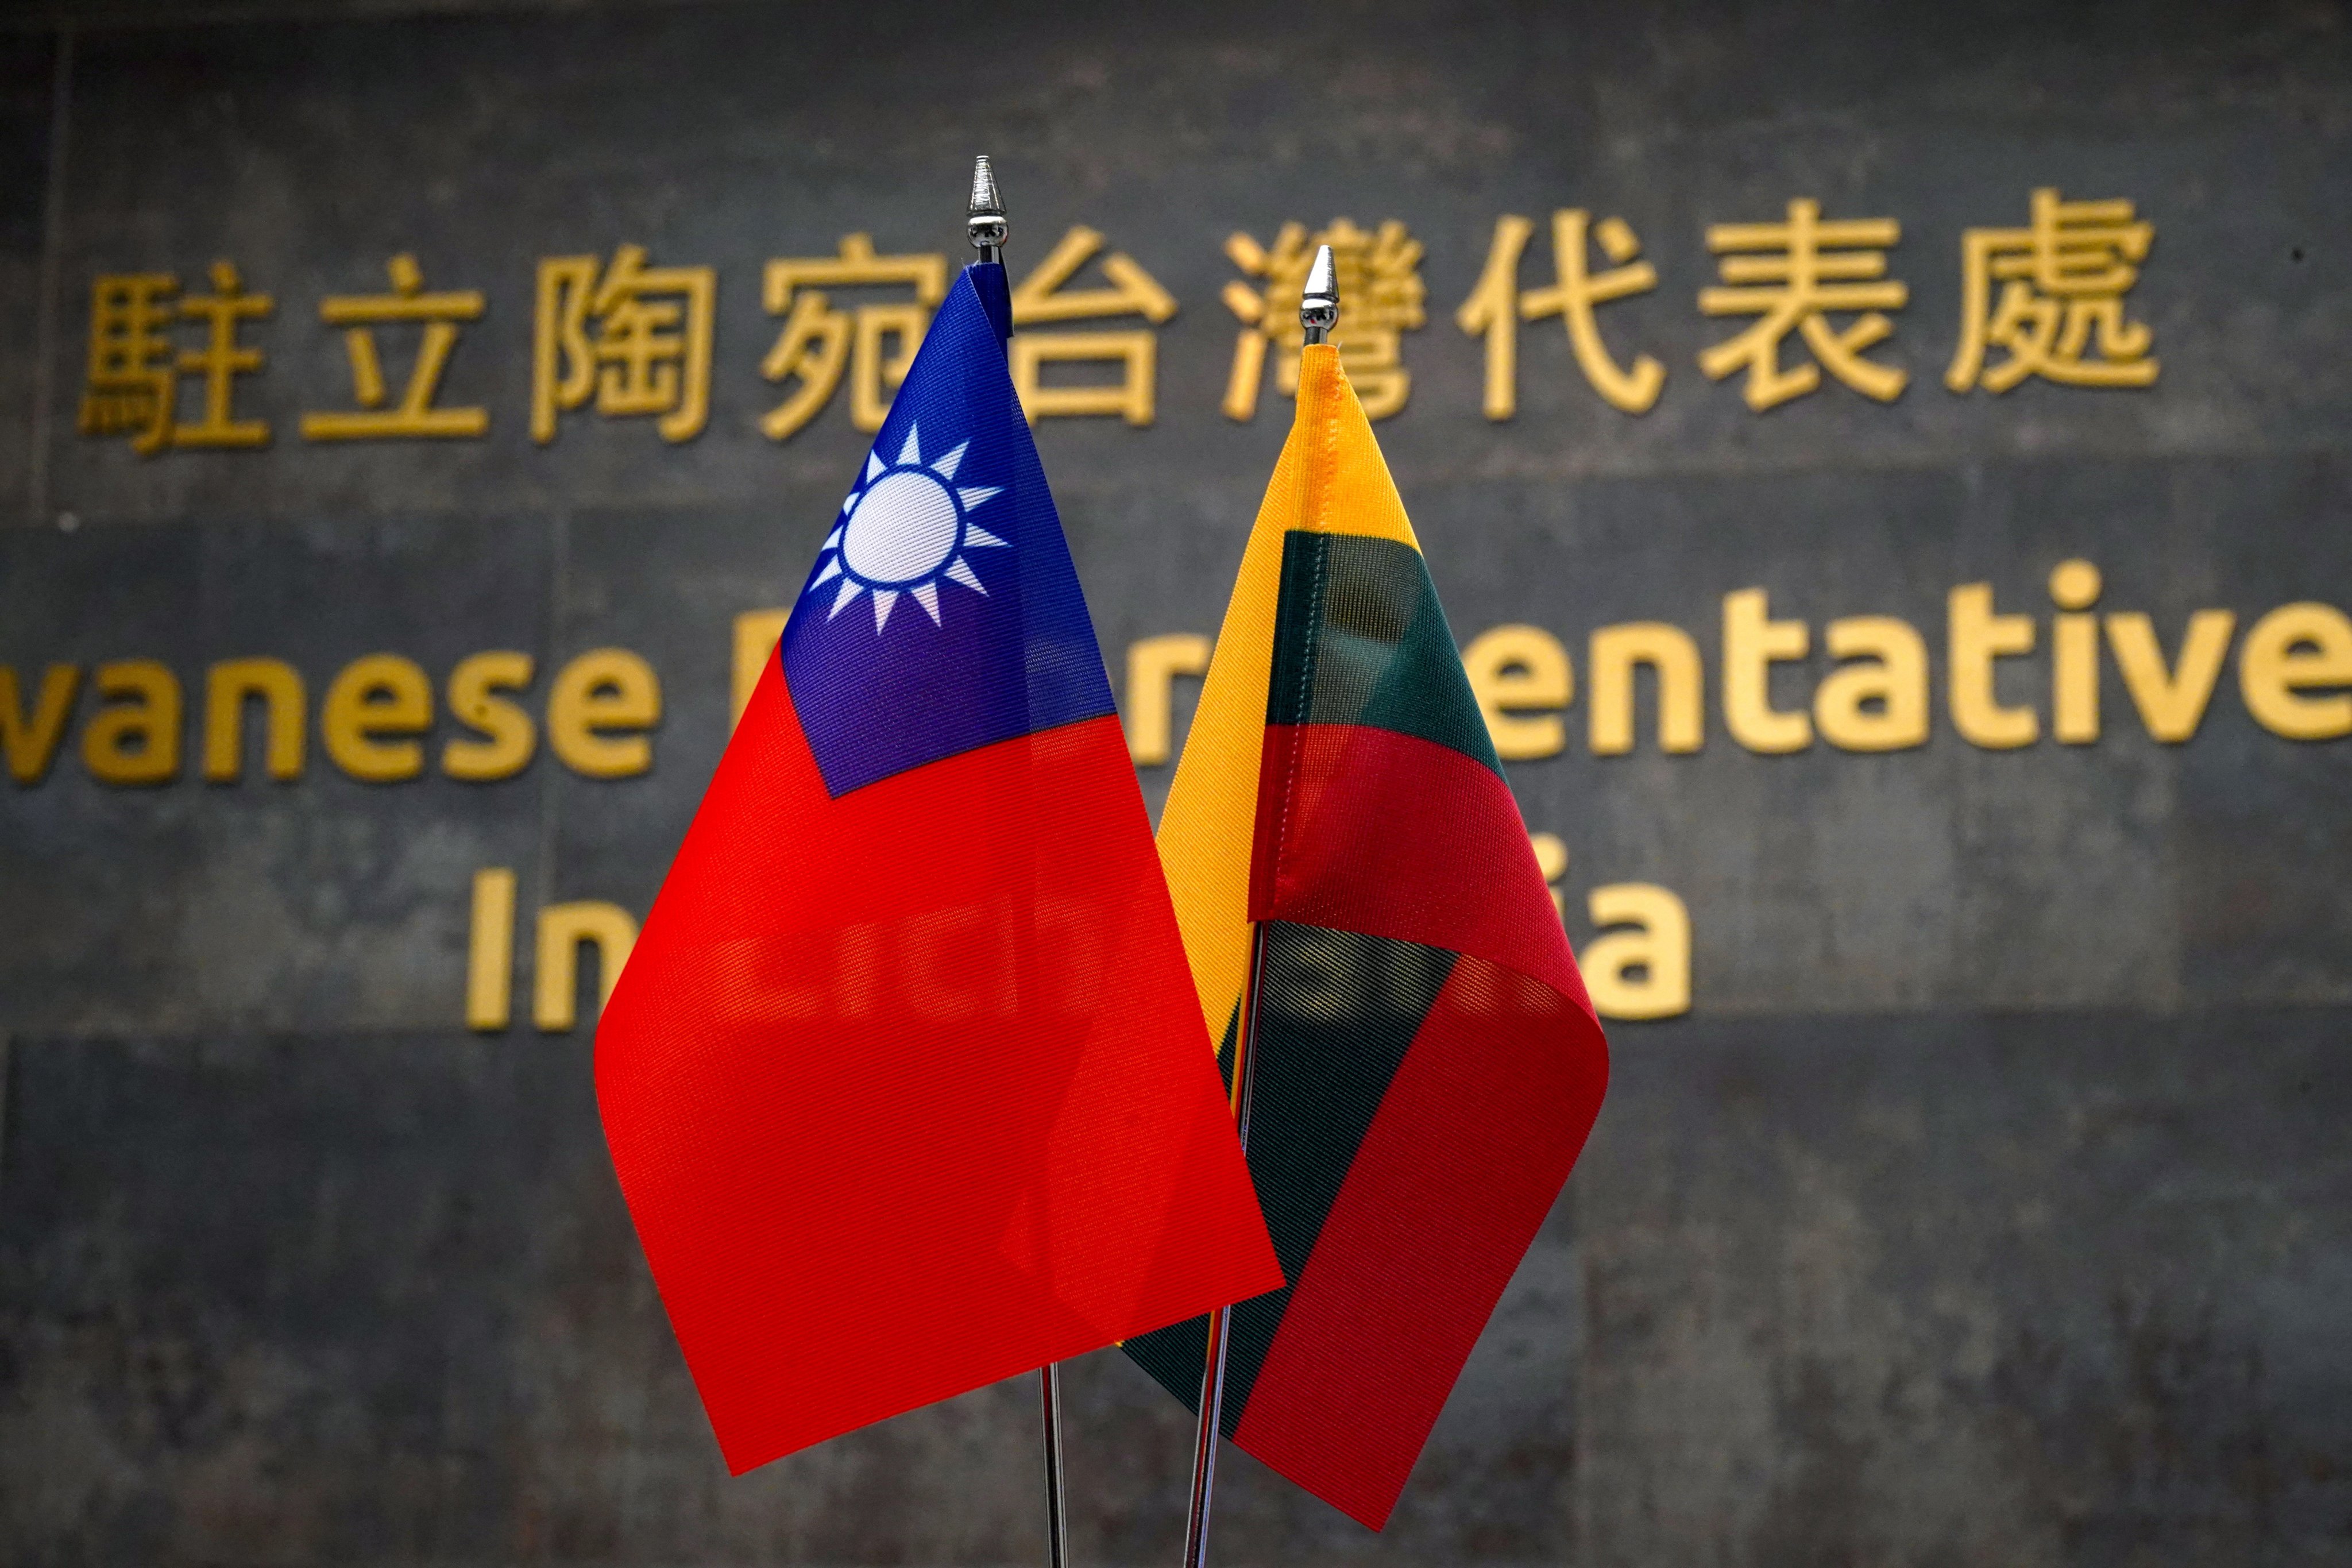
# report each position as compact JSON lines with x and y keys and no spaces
{"x":1318,"y":307}
{"x":986,"y":222}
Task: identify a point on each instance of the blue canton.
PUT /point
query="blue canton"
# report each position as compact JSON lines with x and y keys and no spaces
{"x":943,"y":613}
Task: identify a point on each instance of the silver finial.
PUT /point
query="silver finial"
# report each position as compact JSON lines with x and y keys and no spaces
{"x":986,"y":222}
{"x":1318,"y":307}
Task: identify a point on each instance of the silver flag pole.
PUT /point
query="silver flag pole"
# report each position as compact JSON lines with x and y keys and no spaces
{"x":984,"y":222}
{"x":1057,"y":1534}
{"x":1212,"y":1370}
{"x":1319,"y":312}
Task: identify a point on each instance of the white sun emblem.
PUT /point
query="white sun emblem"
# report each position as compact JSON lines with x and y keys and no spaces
{"x":902,"y":530}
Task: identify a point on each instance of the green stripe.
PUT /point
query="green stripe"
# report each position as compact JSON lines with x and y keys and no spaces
{"x":1360,"y":638}
{"x":1336,"y":1012}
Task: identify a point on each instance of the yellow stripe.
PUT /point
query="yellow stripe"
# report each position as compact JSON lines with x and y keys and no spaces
{"x":1332,"y":478}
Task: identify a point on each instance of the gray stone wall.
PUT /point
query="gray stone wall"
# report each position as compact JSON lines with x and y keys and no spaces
{"x":1987,"y":1205}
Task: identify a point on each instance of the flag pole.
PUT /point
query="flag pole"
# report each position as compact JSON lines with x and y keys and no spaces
{"x":1049,"y":1390}
{"x":985,"y":222}
{"x":1319,"y":312}
{"x":1212,"y":1370}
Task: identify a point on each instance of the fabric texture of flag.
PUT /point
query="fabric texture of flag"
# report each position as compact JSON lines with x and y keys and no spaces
{"x":906,"y":1082}
{"x":1427,"y":1063}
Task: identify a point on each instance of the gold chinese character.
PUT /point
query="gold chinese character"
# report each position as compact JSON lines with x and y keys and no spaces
{"x":1808,"y":268}
{"x":2062,"y":282}
{"x":133,"y":375}
{"x":652,"y":350}
{"x":1134,"y":351}
{"x":359,"y":315}
{"x":878,"y":342}
{"x":1379,"y":299}
{"x":135,"y":368}
{"x":1041,"y":298}
{"x":221,"y":360}
{"x":1496,"y":308}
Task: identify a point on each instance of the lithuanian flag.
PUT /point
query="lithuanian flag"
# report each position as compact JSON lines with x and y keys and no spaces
{"x":1426,"y":1062}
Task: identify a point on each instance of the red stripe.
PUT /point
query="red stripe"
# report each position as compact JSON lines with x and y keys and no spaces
{"x":1369,"y":830}
{"x":1463,"y":1159}
{"x":909,"y":1092}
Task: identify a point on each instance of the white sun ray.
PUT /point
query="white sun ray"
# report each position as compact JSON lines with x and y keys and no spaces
{"x":883,"y":598}
{"x":912,"y":452}
{"x":946,"y":467}
{"x":873,"y":467}
{"x":831,"y":570}
{"x":963,"y":574}
{"x":850,"y":589}
{"x":974,"y":496}
{"x":833,"y":538}
{"x":979,"y":538}
{"x":928,"y":595}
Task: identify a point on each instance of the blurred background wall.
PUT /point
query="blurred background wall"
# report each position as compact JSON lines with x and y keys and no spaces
{"x":1972,"y":1188}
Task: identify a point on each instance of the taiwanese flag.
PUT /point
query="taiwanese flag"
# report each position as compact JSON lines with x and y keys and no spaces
{"x":906,"y":1082}
{"x":1427,"y":1063}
